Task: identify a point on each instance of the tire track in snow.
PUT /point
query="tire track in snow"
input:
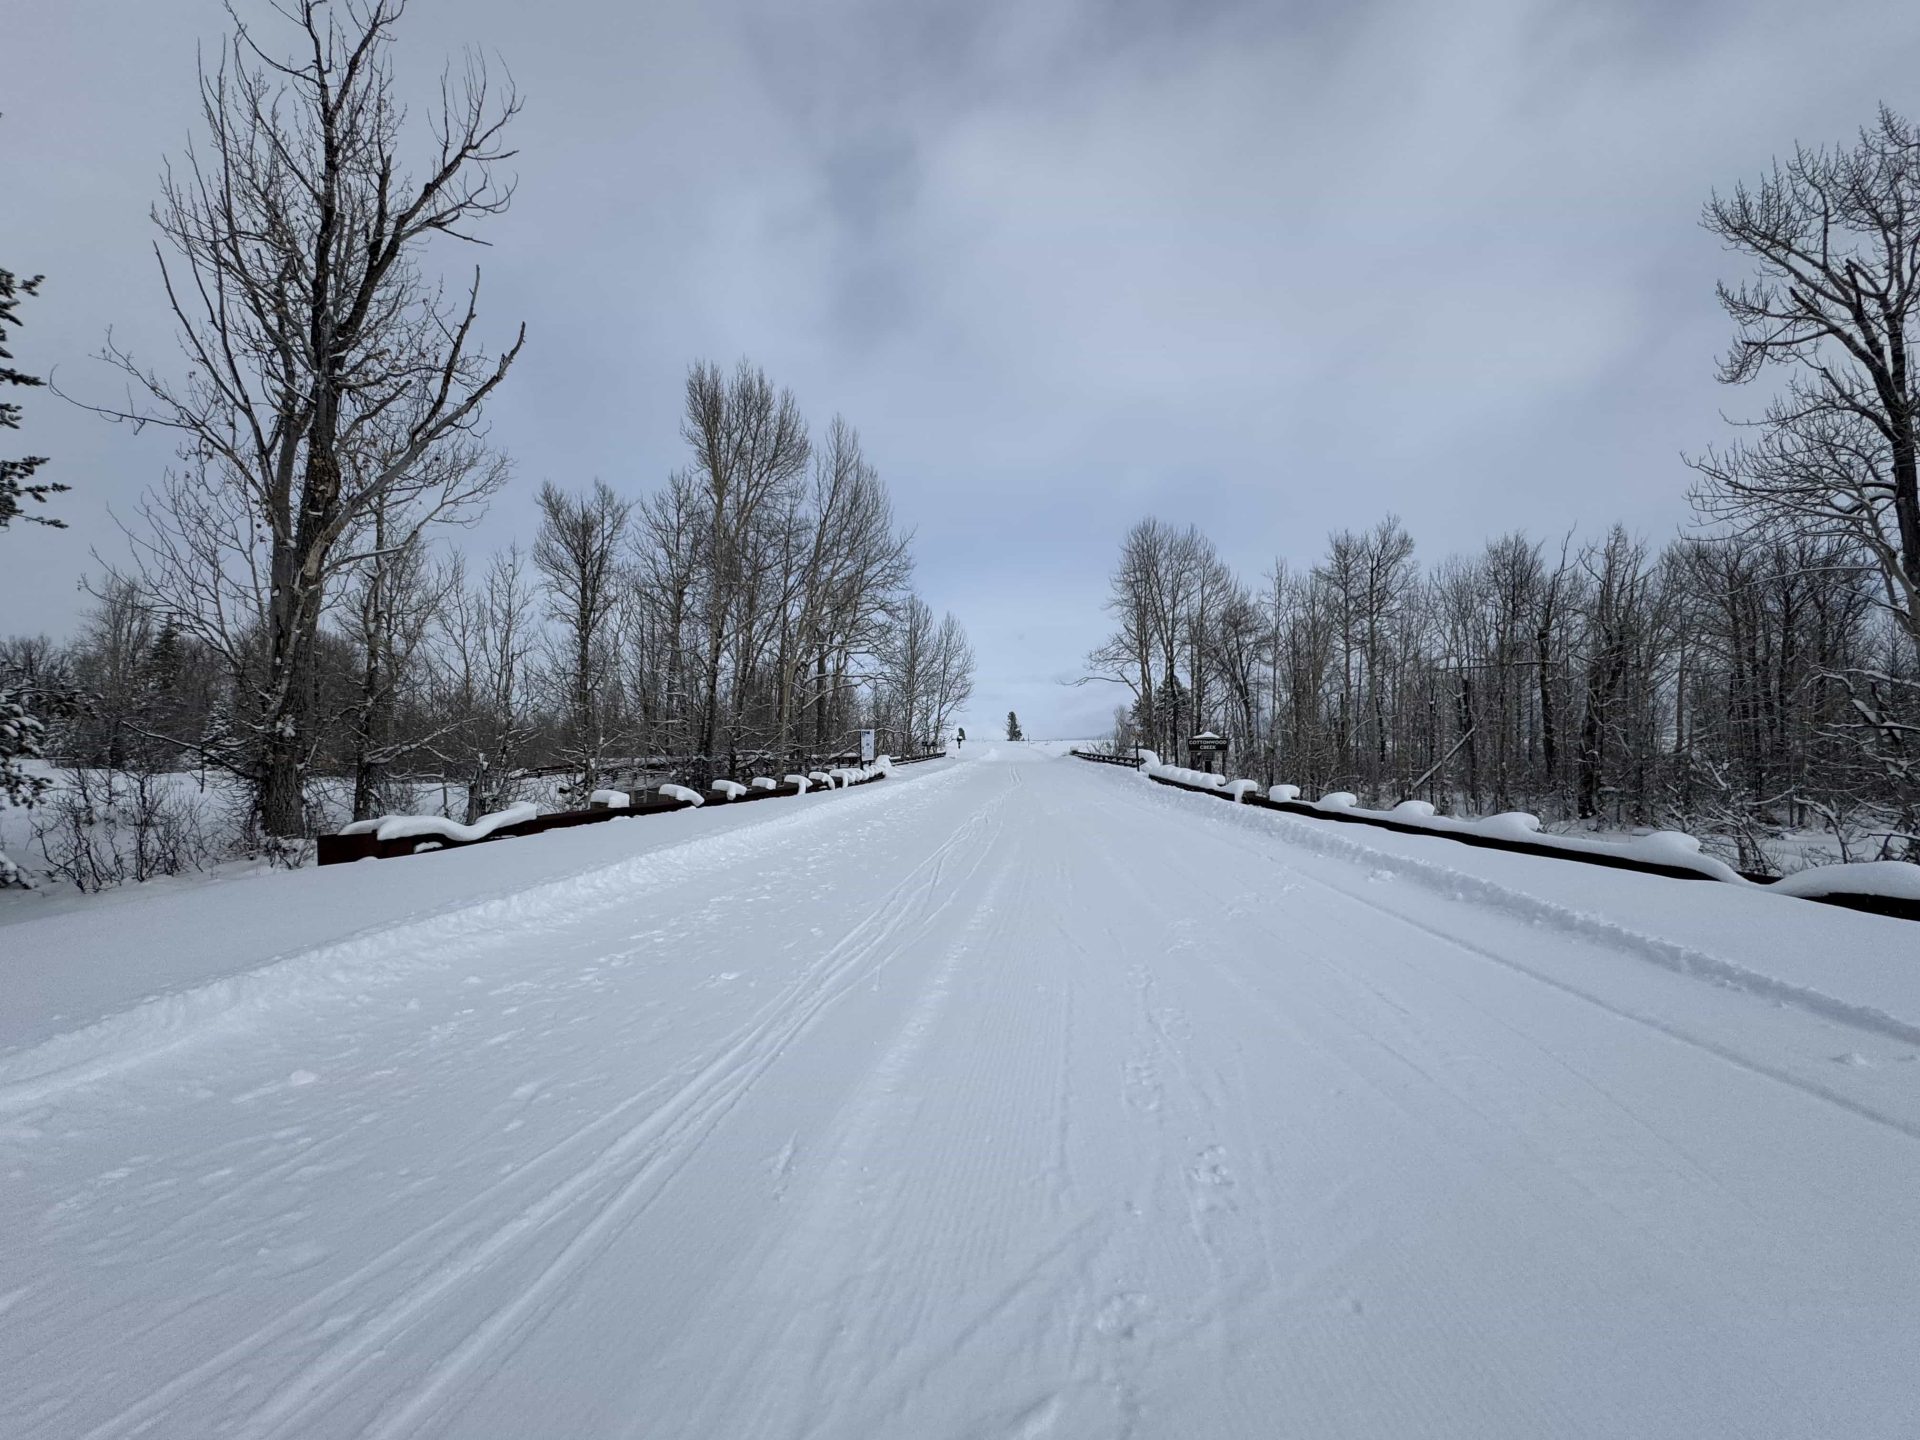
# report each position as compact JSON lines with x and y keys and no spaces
{"x":166,"y":1024}
{"x":1577,"y":924}
{"x":1670,"y":956}
{"x":888,"y":927}
{"x":452,"y":1251}
{"x":1900,"y":1126}
{"x":910,"y":1253}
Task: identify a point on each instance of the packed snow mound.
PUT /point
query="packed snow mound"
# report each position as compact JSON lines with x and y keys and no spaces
{"x":1281,"y":794}
{"x":1338,"y":800}
{"x":1890,"y":879}
{"x":1240,"y":789}
{"x":1511,"y":825}
{"x":401,"y":827}
{"x":683,"y":794}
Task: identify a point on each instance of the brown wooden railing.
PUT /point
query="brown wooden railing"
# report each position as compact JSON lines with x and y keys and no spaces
{"x":366,"y":845}
{"x":1893,"y":906}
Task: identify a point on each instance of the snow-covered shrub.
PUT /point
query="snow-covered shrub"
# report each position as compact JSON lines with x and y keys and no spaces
{"x":105,"y":827}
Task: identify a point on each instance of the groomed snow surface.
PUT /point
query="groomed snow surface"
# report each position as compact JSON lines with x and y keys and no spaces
{"x":1012,"y":1097}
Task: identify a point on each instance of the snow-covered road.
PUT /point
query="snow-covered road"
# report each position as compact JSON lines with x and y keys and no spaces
{"x":1016,"y":1097}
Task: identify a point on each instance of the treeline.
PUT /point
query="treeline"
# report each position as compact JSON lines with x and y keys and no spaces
{"x":755,"y":611}
{"x":294,"y":615}
{"x":1710,"y":685}
{"x":1762,"y":674}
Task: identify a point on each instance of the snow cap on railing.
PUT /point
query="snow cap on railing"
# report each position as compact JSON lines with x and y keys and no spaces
{"x":400,"y":827}
{"x":683,"y":794}
{"x":1511,"y":825}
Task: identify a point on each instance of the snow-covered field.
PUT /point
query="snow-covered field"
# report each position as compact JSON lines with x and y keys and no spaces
{"x":1013,"y":1096}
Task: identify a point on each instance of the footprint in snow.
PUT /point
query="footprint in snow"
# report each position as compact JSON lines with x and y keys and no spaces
{"x":1122,"y":1314}
{"x":1210,"y":1169}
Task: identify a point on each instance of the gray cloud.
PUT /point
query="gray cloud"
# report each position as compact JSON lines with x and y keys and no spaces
{"x":1275,"y":268}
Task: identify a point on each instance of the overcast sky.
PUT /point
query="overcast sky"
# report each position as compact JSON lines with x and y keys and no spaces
{"x":1276,"y":268}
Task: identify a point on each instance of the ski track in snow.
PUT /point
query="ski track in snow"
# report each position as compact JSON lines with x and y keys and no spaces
{"x":1016,"y":1098}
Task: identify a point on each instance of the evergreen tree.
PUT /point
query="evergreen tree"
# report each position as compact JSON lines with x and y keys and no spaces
{"x":1013,"y":727}
{"x":21,"y":731}
{"x":14,"y":474}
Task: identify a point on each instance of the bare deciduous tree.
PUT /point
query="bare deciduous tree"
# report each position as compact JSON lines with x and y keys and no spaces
{"x":578,"y":554}
{"x":325,"y":372}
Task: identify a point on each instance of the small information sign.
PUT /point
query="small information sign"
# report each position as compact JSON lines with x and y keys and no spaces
{"x":1204,"y":748}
